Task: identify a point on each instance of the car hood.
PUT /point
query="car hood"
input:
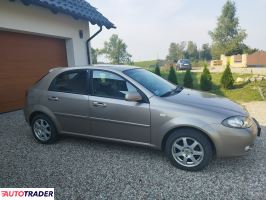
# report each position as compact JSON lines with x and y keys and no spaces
{"x":206,"y":101}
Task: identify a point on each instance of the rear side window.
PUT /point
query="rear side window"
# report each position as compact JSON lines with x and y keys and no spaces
{"x":70,"y":82}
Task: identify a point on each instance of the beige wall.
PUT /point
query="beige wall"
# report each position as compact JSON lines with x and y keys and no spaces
{"x":235,"y":60}
{"x":14,"y":16}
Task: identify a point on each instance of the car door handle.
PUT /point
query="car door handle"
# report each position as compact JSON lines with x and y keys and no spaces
{"x":53,"y":98}
{"x":98,"y":104}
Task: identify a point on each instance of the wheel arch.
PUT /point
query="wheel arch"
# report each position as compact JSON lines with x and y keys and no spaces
{"x":170,"y":132}
{"x":46,"y":113}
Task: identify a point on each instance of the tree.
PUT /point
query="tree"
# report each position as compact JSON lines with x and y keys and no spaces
{"x":188,"y":80}
{"x":205,"y":52}
{"x":116,"y":50}
{"x":181,"y":49}
{"x":94,"y":55}
{"x":192,"y":51}
{"x":248,"y":50}
{"x":227,"y":79}
{"x":172,"y":76}
{"x":227,"y":37}
{"x":157,"y":70}
{"x":176,"y":51}
{"x":172,"y":53}
{"x":206,"y":79}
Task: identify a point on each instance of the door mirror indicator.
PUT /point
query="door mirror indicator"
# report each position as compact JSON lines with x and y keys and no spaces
{"x":133,"y":96}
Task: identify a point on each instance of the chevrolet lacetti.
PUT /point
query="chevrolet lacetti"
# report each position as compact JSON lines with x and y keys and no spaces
{"x":131,"y":105}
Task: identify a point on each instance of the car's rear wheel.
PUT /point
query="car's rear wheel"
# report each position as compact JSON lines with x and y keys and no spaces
{"x":189,"y":149}
{"x":43,"y":129}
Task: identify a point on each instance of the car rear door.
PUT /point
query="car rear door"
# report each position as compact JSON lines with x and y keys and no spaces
{"x":111,"y":115}
{"x":68,"y":99}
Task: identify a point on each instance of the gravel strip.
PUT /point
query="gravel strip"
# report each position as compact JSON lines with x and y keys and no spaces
{"x":88,"y":169}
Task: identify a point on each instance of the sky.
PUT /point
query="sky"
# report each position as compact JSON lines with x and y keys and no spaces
{"x":149,"y":26}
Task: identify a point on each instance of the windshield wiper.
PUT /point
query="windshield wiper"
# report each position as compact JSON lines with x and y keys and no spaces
{"x":173,"y":91}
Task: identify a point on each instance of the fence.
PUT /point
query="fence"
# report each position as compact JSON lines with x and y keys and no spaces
{"x":257,"y":59}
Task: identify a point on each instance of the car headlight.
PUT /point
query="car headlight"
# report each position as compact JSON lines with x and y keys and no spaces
{"x":237,"y":122}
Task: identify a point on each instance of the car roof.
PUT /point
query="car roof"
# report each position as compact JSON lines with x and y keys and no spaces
{"x":116,"y":67}
{"x":119,"y":68}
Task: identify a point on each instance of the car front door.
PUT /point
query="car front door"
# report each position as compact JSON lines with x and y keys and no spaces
{"x":111,"y":115}
{"x":67,"y":98}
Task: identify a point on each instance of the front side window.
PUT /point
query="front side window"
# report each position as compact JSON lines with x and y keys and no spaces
{"x":110,"y":85}
{"x":70,"y":82}
{"x":155,"y":84}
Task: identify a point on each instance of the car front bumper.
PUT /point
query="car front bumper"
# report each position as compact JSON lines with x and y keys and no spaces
{"x":183,"y":67}
{"x":236,"y":141}
{"x":258,"y":126}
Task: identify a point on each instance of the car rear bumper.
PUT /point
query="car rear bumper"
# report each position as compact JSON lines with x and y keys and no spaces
{"x":26,"y":114}
{"x":236,"y":142}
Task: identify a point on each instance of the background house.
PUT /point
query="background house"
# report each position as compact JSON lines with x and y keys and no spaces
{"x":256,"y":59}
{"x":36,"y":35}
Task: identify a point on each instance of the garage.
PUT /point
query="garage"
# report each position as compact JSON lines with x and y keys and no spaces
{"x":25,"y":58}
{"x":38,"y":35}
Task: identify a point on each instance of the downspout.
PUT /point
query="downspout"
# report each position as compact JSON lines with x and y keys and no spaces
{"x":88,"y":44}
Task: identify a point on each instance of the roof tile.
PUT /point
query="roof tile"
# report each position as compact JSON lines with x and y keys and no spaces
{"x":80,"y":9}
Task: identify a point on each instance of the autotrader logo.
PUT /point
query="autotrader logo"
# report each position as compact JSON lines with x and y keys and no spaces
{"x":27,"y":193}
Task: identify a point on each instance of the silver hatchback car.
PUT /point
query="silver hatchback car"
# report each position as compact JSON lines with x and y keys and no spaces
{"x":129,"y":104}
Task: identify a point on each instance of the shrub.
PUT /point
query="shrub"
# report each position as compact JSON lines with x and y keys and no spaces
{"x":227,"y":79}
{"x":172,"y":75}
{"x":188,"y":80}
{"x":206,"y":79}
{"x":157,"y":70}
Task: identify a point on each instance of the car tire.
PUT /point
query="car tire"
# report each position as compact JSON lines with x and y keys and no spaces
{"x":43,"y":129}
{"x":189,"y":149}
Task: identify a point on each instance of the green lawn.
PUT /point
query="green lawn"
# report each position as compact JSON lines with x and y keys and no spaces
{"x":145,"y":64}
{"x":241,"y":92}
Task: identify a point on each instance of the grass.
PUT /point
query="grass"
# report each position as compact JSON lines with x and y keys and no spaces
{"x":145,"y":64}
{"x":262,"y":85}
{"x":244,"y":92}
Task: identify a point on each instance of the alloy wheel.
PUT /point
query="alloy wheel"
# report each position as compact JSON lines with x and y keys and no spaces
{"x":42,"y":130}
{"x":187,"y":151}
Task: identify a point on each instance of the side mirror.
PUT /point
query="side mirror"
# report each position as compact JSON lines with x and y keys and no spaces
{"x":133,"y":96}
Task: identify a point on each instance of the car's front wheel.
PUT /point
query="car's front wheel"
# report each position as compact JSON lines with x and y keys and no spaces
{"x":189,"y":149}
{"x":43,"y":129}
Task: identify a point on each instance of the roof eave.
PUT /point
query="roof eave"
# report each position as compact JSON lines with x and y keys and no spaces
{"x":107,"y":24}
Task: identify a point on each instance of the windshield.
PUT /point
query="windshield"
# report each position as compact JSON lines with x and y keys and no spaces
{"x":155,"y":84}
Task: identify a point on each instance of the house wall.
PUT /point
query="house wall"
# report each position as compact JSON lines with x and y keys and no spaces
{"x":257,"y":59}
{"x":235,"y":60}
{"x":14,"y":16}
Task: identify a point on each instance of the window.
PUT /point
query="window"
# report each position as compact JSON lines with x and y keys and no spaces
{"x":70,"y":82}
{"x":110,"y":85}
{"x":155,"y":84}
